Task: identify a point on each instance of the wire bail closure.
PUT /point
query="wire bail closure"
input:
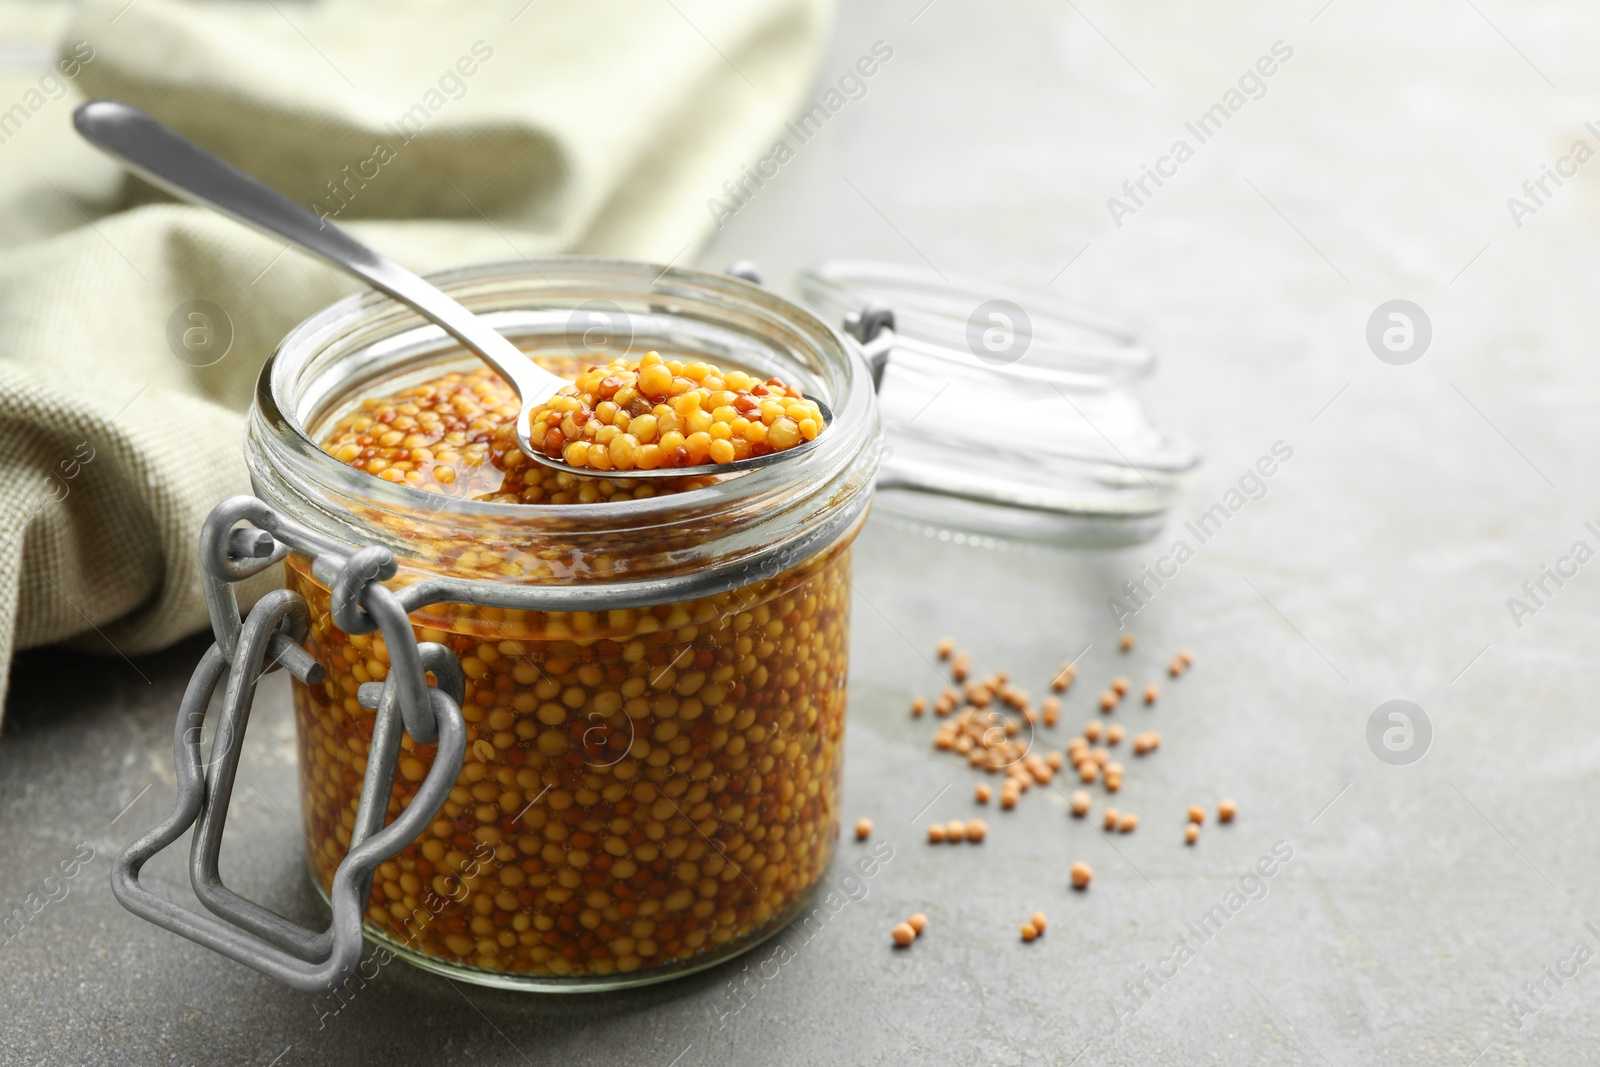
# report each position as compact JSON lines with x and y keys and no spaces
{"x":268,"y":637}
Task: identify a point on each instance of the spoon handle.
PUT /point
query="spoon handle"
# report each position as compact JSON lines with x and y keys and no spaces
{"x":187,"y":171}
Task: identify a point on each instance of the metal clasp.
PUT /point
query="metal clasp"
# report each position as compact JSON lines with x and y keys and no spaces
{"x":269,"y":637}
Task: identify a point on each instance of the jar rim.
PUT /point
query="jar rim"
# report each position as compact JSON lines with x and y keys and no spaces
{"x":341,"y":349}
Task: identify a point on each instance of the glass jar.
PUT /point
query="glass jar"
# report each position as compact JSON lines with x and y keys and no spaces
{"x":654,"y":688}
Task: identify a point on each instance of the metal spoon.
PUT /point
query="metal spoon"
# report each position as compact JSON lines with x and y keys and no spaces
{"x":187,"y":171}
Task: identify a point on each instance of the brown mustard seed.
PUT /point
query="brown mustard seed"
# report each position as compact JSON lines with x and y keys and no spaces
{"x":1081,"y":875}
{"x":918,"y":922}
{"x":1128,"y":823}
{"x":1029,"y":932}
{"x":1114,"y":733}
{"x":1197,"y":814}
{"x":982,"y":793}
{"x":1039,"y":921}
{"x":1126,"y":643}
{"x":1119,"y":686}
{"x":1151,"y":692}
{"x":863,"y":829}
{"x":1191,"y":833}
{"x":935,"y":834}
{"x":903,"y":934}
{"x":947,"y":645}
{"x":1226,"y":810}
{"x":919,"y":705}
{"x":1081,"y":803}
{"x":976,"y":830}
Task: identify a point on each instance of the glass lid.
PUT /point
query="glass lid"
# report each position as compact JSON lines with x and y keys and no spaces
{"x":1008,"y":413}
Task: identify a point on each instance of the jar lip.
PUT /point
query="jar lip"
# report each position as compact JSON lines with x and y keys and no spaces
{"x":297,"y":455}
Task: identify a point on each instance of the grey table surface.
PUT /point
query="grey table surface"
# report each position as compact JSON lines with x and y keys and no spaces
{"x":1431,"y":913}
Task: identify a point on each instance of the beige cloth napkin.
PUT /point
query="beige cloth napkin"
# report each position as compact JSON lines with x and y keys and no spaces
{"x":439,"y":133}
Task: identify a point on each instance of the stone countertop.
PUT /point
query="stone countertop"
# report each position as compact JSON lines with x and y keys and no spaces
{"x":1420,"y":905}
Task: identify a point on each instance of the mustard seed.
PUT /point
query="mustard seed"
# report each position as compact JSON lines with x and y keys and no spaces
{"x":976,"y":830}
{"x":1197,"y":814}
{"x":1039,"y":921}
{"x":935,"y":834}
{"x":1108,"y":700}
{"x":1113,"y":782}
{"x":903,"y":934}
{"x":1092,"y":730}
{"x":1088,"y":771}
{"x":947,"y":645}
{"x":919,"y":705}
{"x":1029,"y":932}
{"x":1081,"y":803}
{"x":918,"y":922}
{"x":1119,"y":686}
{"x":954,"y":830}
{"x":1127,"y":642}
{"x":1128,"y":823}
{"x":1114,"y":733}
{"x":863,"y":829}
{"x":1174,"y":669}
{"x":1081,"y":875}
{"x":1151,"y":692}
{"x":1055,"y":761}
{"x":1186,"y":657}
{"x":1110,"y":818}
{"x":1226,"y":810}
{"x":982,"y":793}
{"x":1191,"y":833}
